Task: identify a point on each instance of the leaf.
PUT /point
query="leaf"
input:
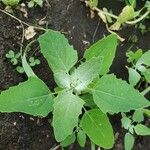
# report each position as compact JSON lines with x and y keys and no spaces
{"x":67,"y":108}
{"x":85,"y":73}
{"x":69,"y":140}
{"x":138,"y":116}
{"x":126,"y":14}
{"x":81,"y":138}
{"x":62,"y":79}
{"x":115,"y":95}
{"x":147,"y":112}
{"x":147,"y":75}
{"x":97,"y":126}
{"x":142,"y":130}
{"x":57,"y":51}
{"x":129,"y":141}
{"x":126,"y":122}
{"x":145,"y":59}
{"x":94,"y":3}
{"x":134,"y":76}
{"x":32,"y":97}
{"x":104,"y":48}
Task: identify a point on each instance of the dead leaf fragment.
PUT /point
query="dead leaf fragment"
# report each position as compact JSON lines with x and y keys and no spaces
{"x":29,"y":33}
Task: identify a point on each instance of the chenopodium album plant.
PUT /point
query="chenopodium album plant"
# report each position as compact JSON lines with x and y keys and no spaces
{"x":85,"y":95}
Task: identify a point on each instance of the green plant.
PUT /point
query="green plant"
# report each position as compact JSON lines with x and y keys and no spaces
{"x":11,"y":2}
{"x":85,"y":92}
{"x":33,"y":3}
{"x":15,"y":59}
{"x":129,"y":14}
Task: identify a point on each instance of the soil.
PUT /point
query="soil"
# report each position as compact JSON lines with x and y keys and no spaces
{"x":24,"y":132}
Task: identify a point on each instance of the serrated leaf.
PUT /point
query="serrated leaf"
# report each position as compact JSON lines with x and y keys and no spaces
{"x":134,"y":76}
{"x":57,"y":51}
{"x":129,"y":141}
{"x":31,"y":97}
{"x":138,"y":116}
{"x":104,"y":48}
{"x":69,"y":140}
{"x":115,"y":95}
{"x":67,"y":108}
{"x":145,"y":59}
{"x":97,"y":126}
{"x":142,"y":130}
{"x":81,"y":138}
{"x":85,"y":73}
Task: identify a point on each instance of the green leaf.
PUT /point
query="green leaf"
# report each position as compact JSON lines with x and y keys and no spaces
{"x":138,"y":116}
{"x":97,"y":126}
{"x":57,"y":51}
{"x":67,"y":108}
{"x":62,"y":79}
{"x":142,"y":130}
{"x":147,"y":112}
{"x":147,"y":75}
{"x":88,"y":99}
{"x":94,"y":3}
{"x":81,"y":138}
{"x":126,"y":122}
{"x":134,"y":76}
{"x":115,"y":95}
{"x":31,"y":97}
{"x":69,"y":140}
{"x":129,"y":141}
{"x":85,"y":73}
{"x":104,"y":48}
{"x":126,"y":14}
{"x":145,"y":59}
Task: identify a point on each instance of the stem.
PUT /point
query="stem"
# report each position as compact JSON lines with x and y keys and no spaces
{"x":20,"y":21}
{"x":139,"y":19}
{"x":92,"y":146}
{"x":146,"y":91}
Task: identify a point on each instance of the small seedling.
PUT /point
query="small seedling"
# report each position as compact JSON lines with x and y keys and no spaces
{"x":15,"y":59}
{"x":33,"y":3}
{"x":11,"y":2}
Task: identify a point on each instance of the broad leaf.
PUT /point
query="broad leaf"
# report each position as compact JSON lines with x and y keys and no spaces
{"x":31,"y":97}
{"x":85,"y":73}
{"x":126,"y":122}
{"x":67,"y":108}
{"x":69,"y":140}
{"x":105,"y":49}
{"x":134,"y":76}
{"x":128,"y":141}
{"x":62,"y":79}
{"x":97,"y":126}
{"x":57,"y":51}
{"x":115,"y":95}
{"x":145,"y":59}
{"x":138,"y":116}
{"x":147,"y":75}
{"x":81,"y":138}
{"x":142,"y":130}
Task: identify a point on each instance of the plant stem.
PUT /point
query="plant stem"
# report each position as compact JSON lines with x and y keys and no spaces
{"x":146,"y":91}
{"x":92,"y":146}
{"x":20,"y":21}
{"x":139,"y":19}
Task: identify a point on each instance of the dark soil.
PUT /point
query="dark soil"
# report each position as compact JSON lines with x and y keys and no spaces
{"x":23,"y":132}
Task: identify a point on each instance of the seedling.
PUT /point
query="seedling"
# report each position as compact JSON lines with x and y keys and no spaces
{"x":15,"y":59}
{"x":11,"y":2}
{"x":33,"y":3}
{"x":84,"y":94}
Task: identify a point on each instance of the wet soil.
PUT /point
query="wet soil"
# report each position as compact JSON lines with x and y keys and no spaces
{"x":23,"y":132}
